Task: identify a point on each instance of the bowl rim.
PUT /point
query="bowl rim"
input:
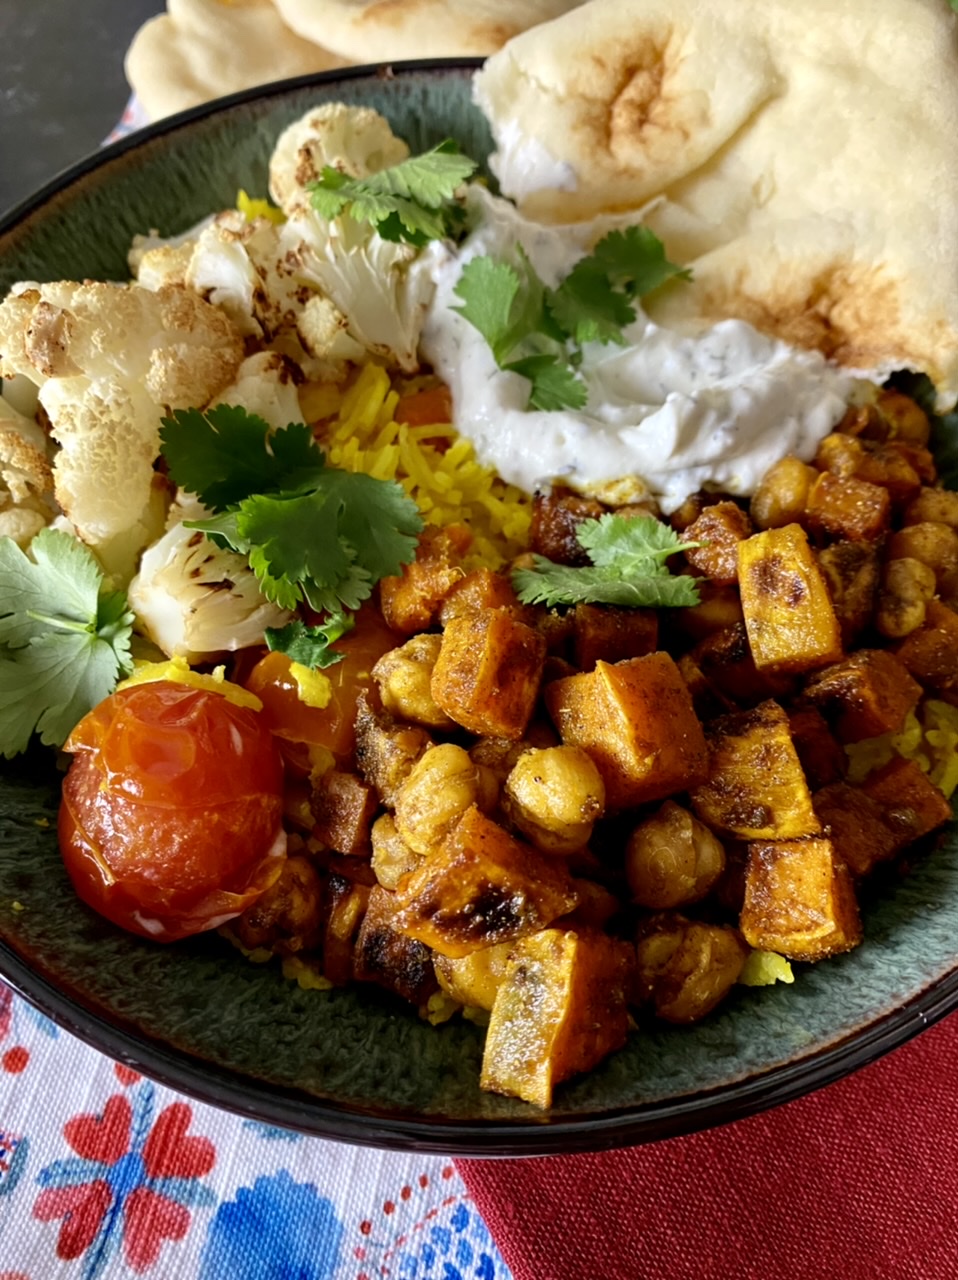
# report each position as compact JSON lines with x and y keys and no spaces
{"x":308,"y":1114}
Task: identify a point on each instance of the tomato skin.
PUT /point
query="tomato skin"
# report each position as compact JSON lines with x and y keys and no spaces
{"x":171,"y":813}
{"x":331,"y":726}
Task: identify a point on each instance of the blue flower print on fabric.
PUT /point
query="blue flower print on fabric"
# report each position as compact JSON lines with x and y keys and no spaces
{"x":278,"y":1229}
{"x":461,"y":1250}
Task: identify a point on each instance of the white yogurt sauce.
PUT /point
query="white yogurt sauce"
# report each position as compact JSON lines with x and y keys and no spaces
{"x":667,"y":412}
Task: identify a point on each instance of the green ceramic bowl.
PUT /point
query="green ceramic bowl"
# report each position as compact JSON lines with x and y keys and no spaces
{"x":356,"y":1065}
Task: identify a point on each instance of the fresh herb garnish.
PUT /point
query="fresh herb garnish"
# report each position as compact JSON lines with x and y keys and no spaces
{"x":313,"y":533}
{"x":64,"y":641}
{"x":310,"y":646}
{"x":412,"y":201}
{"x":539,"y":332}
{"x":628,"y":568}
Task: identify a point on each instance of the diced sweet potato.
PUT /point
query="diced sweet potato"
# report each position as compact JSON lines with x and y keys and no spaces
{"x":410,"y":601}
{"x":389,"y":958}
{"x":637,"y":722}
{"x":910,"y":803}
{"x":851,"y":574}
{"x":799,"y":900}
{"x":474,"y":979}
{"x":706,"y":699}
{"x":845,"y":507}
{"x":345,"y":907}
{"x":718,"y":607}
{"x":556,"y":517}
{"x":488,"y":672}
{"x":856,"y":826}
{"x":287,"y":917}
{"x":343,"y":810}
{"x":612,"y":634}
{"x":386,"y":749}
{"x":873,"y":461}
{"x":561,"y":1010}
{"x":788,"y":612}
{"x":720,"y":528}
{"x":480,"y":589}
{"x":725,"y":659}
{"x":931,"y":652}
{"x":755,"y":787}
{"x":684,"y":968}
{"x":865,"y":695}
{"x":821,"y":756}
{"x":481,"y":887}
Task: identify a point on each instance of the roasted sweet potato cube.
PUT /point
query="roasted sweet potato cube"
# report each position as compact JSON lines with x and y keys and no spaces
{"x":720,"y":528}
{"x":856,"y":826}
{"x":865,"y":695}
{"x":851,"y":574}
{"x":788,"y":612}
{"x":475,"y":979}
{"x":706,"y":699}
{"x":410,"y":601}
{"x":488,"y":672}
{"x":560,"y":1010}
{"x":718,"y":607}
{"x":755,"y":787}
{"x":343,"y":810}
{"x":612,"y":634}
{"x":845,"y":507}
{"x":287,"y":918}
{"x":482,"y":887}
{"x":725,"y":659}
{"x":910,"y":803}
{"x":820,"y":754}
{"x":905,"y":418}
{"x":637,"y":722}
{"x":931,"y":652}
{"x":480,"y":589}
{"x":873,"y":461}
{"x":556,"y":517}
{"x":389,"y":958}
{"x":684,"y":968}
{"x":799,"y":900}
{"x":345,"y":902}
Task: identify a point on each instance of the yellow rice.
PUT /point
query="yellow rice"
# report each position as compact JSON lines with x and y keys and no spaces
{"x":448,"y":483}
{"x":930,"y":738}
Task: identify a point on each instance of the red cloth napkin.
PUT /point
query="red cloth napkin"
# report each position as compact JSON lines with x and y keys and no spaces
{"x":857,"y":1181}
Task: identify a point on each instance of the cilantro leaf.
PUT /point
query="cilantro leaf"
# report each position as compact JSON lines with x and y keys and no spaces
{"x":551,"y":584}
{"x":634,"y":259}
{"x":506,"y":304}
{"x":311,"y":532}
{"x":628,"y":568}
{"x":587,"y":309}
{"x":63,"y":645}
{"x":310,"y":646}
{"x":224,"y":454}
{"x":554,"y":384}
{"x":413,"y":200}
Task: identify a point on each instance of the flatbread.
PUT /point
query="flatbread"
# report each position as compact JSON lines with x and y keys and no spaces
{"x":389,"y":30}
{"x":801,"y":158}
{"x":203,"y":49}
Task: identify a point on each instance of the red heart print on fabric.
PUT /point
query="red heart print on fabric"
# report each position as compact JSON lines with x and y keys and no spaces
{"x":169,"y":1153}
{"x":105,"y":1137}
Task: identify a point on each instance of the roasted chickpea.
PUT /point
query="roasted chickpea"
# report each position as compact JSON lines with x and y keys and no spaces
{"x":937,"y":505}
{"x":392,"y":858}
{"x":554,"y":796}
{"x":934,"y":544}
{"x":685,"y":967}
{"x":440,"y":788}
{"x":782,"y":494}
{"x":286,"y":919}
{"x":403,"y":677}
{"x":672,"y":859}
{"x":907,"y":586}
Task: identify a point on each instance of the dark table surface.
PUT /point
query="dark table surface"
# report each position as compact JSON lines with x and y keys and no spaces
{"x":62,"y":87}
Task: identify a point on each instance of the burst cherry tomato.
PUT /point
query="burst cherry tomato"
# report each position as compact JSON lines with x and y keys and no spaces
{"x":171,"y":816}
{"x":332,"y":726}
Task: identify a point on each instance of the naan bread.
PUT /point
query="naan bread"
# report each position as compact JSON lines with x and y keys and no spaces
{"x":389,"y":30}
{"x":202,"y":49}
{"x":802,"y":158}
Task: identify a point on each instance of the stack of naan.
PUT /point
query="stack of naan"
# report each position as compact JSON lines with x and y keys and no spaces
{"x":203,"y":49}
{"x":801,"y":158}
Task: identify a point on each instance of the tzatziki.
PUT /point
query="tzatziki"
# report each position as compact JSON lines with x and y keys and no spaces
{"x":667,"y":413}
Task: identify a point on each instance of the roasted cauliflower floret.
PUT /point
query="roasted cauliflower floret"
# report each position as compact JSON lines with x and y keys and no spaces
{"x":26,"y":479}
{"x":355,"y":140}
